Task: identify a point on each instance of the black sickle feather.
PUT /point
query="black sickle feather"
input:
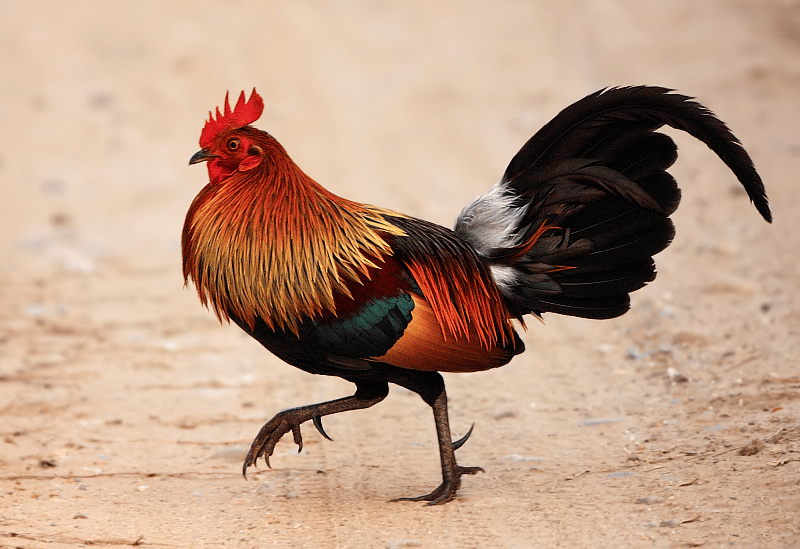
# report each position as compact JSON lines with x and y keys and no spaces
{"x":595,"y":199}
{"x":585,"y":128}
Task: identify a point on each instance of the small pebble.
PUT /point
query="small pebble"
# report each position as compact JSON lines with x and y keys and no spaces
{"x":622,"y":474}
{"x":649,"y":500}
{"x":752,"y":448}
{"x":635,"y":354}
{"x":675,"y":376}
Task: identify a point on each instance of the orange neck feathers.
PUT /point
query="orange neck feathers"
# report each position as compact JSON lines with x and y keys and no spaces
{"x":271,"y":243}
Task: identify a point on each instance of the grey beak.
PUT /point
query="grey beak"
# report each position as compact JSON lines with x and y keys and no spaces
{"x":200,"y":156}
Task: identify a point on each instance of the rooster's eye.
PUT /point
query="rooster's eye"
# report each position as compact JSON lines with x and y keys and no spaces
{"x":234,"y":144}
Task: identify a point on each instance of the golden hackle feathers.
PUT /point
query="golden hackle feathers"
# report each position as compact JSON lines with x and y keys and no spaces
{"x":244,"y":113}
{"x":271,"y":243}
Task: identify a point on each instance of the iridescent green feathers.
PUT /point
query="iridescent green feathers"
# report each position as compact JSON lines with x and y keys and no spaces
{"x":370,"y":331}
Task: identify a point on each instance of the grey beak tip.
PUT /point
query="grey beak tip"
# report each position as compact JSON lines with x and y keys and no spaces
{"x":200,"y":156}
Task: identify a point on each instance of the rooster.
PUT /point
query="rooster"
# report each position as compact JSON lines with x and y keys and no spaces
{"x":373,"y":296}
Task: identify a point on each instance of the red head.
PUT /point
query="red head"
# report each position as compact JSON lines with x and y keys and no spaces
{"x":225,"y":150}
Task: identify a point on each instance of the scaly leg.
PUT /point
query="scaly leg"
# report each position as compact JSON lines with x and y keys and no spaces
{"x":433,"y":392}
{"x":368,"y":393}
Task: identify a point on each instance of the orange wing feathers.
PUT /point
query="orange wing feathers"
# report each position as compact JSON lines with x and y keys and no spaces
{"x":425,"y":346}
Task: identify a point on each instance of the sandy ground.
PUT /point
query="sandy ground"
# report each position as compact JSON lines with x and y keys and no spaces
{"x":126,"y":409}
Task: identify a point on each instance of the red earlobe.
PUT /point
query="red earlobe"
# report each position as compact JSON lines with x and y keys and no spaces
{"x":249,"y":163}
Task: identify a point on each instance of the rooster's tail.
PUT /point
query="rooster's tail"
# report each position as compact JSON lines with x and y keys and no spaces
{"x":572,"y":226}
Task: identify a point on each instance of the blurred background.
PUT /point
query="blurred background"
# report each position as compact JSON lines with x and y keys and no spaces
{"x":416,"y":106}
{"x":411,"y":105}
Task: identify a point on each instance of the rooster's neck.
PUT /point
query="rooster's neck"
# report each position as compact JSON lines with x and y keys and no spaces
{"x":271,"y":243}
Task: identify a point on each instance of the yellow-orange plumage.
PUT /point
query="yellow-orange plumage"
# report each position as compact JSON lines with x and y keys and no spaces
{"x":271,"y":243}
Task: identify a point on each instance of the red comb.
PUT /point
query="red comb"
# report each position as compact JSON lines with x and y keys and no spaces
{"x":244,"y":113}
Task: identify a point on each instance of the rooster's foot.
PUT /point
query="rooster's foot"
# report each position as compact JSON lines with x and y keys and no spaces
{"x":367,"y":394}
{"x":447,"y":489}
{"x":270,"y":434}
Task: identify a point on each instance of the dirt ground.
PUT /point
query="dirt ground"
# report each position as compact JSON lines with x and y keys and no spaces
{"x":126,"y":409}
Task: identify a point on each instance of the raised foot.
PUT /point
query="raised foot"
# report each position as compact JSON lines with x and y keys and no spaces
{"x":270,"y":434}
{"x":447,"y":489}
{"x":367,"y":394}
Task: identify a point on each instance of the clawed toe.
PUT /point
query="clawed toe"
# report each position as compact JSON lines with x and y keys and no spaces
{"x":268,"y":437}
{"x":442,"y":494}
{"x":446,"y":491}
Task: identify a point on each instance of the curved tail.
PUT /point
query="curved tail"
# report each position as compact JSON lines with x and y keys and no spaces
{"x":572,"y":226}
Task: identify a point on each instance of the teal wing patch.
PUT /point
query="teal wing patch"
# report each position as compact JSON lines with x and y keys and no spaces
{"x":370,"y":331}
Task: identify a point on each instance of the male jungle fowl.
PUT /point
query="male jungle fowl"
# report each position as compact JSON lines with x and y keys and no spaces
{"x":373,"y":296}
